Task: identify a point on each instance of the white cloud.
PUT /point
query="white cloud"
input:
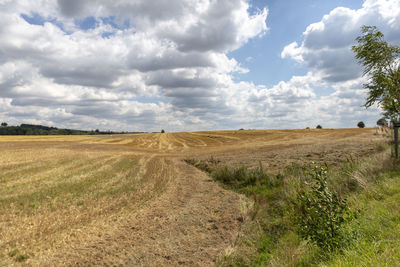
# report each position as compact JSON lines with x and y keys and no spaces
{"x":292,"y":50}
{"x":147,"y":65}
{"x":326,"y":51}
{"x":326,"y":47}
{"x":131,"y":65}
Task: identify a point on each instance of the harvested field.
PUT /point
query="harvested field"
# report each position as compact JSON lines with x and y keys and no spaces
{"x":131,"y":199}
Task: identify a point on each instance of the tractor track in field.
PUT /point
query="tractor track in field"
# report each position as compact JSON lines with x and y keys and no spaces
{"x":189,"y":221}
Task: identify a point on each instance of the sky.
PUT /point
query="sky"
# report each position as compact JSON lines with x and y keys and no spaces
{"x":187,"y":65}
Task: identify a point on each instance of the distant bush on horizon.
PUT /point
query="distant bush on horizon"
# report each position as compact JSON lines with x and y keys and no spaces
{"x":31,"y":129}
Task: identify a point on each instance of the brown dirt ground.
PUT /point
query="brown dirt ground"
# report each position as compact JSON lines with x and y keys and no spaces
{"x":177,"y":215}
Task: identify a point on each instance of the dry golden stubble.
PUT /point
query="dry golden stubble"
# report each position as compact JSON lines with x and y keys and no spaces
{"x":101,"y":199}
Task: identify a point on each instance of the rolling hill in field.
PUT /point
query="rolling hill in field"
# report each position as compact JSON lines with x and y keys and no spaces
{"x":132,"y":200}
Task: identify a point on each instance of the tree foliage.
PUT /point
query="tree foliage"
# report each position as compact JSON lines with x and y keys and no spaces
{"x":318,"y":127}
{"x":382,"y":122}
{"x":381,"y":63}
{"x":30,"y":129}
{"x":321,"y":213}
{"x":4,"y":124}
{"x":361,"y":124}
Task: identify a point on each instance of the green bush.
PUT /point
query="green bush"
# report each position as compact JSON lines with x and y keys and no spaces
{"x":382,"y":122}
{"x":320,"y":213}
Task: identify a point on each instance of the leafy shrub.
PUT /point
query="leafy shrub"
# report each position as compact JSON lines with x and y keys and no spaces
{"x":361,"y":124}
{"x":320,"y":213}
{"x":319,"y":126}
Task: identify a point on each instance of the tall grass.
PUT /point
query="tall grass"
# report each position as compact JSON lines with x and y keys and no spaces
{"x":266,"y":218}
{"x":377,"y":230}
{"x":270,"y":235}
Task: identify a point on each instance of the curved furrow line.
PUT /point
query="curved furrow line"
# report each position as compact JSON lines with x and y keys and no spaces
{"x":177,"y":224}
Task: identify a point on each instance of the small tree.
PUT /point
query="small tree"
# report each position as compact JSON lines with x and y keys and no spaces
{"x":381,"y":63}
{"x":4,"y":124}
{"x":320,"y":213}
{"x":382,"y":122}
{"x":162,"y":131}
{"x":361,"y":124}
{"x":319,"y":126}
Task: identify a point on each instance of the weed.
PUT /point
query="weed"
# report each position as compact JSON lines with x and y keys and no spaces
{"x":381,"y":146}
{"x":205,"y":165}
{"x":237,"y":178}
{"x":301,"y":217}
{"x":21,"y":257}
{"x":266,"y":214}
{"x":13,"y":252}
{"x":377,"y":239}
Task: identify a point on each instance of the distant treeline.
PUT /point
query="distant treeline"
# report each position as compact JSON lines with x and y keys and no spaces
{"x":30,"y":129}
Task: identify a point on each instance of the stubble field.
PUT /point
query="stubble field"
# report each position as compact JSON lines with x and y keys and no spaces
{"x":132,"y":200}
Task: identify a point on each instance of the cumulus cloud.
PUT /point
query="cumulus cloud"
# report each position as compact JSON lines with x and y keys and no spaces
{"x":326,"y":52}
{"x":204,"y":33}
{"x":326,"y":47}
{"x":71,"y":8}
{"x":126,"y":64}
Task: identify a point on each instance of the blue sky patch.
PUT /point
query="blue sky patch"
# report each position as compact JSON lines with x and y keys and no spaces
{"x":107,"y":35}
{"x":116,"y":23}
{"x":286,"y":20}
{"x":87,"y":23}
{"x":36,"y":19}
